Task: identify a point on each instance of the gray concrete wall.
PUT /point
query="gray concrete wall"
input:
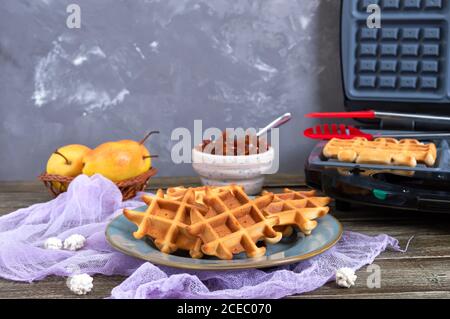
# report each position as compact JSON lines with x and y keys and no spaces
{"x":137,"y":65}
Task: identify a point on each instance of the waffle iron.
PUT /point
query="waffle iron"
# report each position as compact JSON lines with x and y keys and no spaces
{"x":401,"y":67}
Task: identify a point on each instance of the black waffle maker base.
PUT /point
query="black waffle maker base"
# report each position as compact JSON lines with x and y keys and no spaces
{"x":420,"y":188}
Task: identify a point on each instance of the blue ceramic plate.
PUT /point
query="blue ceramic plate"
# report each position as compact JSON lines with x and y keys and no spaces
{"x":297,"y":247}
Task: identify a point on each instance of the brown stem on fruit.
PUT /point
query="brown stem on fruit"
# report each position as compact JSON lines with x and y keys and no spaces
{"x":150,"y":156}
{"x":147,"y":136}
{"x":67,"y":160}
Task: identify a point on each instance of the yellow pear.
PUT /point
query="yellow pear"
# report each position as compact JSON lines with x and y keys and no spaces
{"x":67,"y":160}
{"x":119,"y":160}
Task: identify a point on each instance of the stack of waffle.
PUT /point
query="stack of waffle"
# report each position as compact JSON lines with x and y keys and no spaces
{"x":224,"y":221}
{"x":381,"y":151}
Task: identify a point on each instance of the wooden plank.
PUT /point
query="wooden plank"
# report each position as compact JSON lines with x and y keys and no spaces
{"x":16,"y":198}
{"x":399,"y":278}
{"x":277,"y":180}
{"x":15,"y":195}
{"x":22,"y":194}
{"x":383,"y":295}
{"x":420,"y":272}
{"x":366,"y":221}
{"x":22,"y":186}
{"x":421,"y":247}
{"x":431,"y":237}
{"x":55,"y":287}
{"x":405,"y":228}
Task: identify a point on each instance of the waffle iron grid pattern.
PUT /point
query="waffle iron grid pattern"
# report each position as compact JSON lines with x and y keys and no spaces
{"x":404,"y":60}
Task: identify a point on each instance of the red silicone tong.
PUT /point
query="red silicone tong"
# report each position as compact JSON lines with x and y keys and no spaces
{"x":343,"y":115}
{"x":327,"y":132}
{"x":380,"y":115}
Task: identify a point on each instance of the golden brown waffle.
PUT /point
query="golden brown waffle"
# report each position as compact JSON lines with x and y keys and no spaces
{"x":381,"y":151}
{"x":299,"y":212}
{"x":166,"y":221}
{"x":177,"y":193}
{"x":234,"y":224}
{"x":289,"y":194}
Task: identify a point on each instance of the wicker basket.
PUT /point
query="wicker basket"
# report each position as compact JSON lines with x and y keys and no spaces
{"x":58,"y":184}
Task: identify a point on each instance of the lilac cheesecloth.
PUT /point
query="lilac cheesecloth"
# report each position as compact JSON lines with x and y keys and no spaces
{"x":91,"y":202}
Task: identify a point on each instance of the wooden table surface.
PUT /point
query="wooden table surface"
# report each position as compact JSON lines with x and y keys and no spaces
{"x":422,"y":272}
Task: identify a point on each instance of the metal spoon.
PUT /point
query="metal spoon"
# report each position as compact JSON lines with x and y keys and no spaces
{"x":276,"y":123}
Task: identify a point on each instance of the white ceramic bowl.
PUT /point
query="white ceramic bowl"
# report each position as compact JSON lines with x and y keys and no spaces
{"x":219,"y":170}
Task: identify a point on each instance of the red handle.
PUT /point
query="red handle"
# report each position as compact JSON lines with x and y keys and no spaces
{"x":343,"y":115}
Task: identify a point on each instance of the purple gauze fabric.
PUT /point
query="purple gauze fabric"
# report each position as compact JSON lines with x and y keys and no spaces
{"x":353,"y":250}
{"x":87,"y":207}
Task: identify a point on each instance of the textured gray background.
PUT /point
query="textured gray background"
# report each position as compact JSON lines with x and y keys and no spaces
{"x":137,"y":65}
